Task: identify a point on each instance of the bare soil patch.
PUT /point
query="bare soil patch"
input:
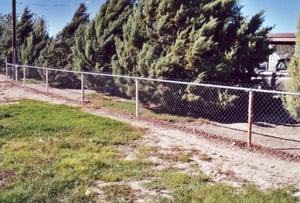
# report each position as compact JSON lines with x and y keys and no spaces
{"x":5,"y":178}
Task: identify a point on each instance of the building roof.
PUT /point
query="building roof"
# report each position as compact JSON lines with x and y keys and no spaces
{"x":289,"y":38}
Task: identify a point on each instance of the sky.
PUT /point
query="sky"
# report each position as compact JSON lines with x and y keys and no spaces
{"x":56,"y":12}
{"x":282,"y":14}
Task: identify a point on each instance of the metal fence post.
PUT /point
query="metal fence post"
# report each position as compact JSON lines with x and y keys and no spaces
{"x":82,"y":88}
{"x":6,"y":69}
{"x":12,"y":72}
{"x":24,"y":75}
{"x":16,"y":73}
{"x":250,"y":118}
{"x":136,"y":97}
{"x":47,"y":82}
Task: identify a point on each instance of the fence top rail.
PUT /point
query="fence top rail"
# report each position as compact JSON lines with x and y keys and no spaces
{"x":160,"y":80}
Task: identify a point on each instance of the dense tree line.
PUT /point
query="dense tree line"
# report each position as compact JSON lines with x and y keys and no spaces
{"x":35,"y":47}
{"x":170,"y":39}
{"x":191,"y":40}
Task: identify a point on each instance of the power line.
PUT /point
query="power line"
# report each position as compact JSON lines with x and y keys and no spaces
{"x":58,"y":4}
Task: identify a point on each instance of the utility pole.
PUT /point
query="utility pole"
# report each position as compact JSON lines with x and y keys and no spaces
{"x":14,"y":51}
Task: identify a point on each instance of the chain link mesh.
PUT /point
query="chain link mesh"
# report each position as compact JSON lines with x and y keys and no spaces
{"x":226,"y":108}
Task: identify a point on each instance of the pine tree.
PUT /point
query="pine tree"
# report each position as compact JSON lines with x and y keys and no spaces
{"x":24,"y":29}
{"x":95,"y":43}
{"x":5,"y":36}
{"x":65,"y":40}
{"x":58,"y":52}
{"x":292,"y":103}
{"x":35,"y":43}
{"x":25,"y":25}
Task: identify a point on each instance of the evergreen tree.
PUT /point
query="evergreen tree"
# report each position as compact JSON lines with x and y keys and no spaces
{"x":24,"y":29}
{"x":35,"y":43}
{"x":292,"y":103}
{"x":3,"y":32}
{"x":95,"y":43}
{"x":30,"y":37}
{"x":25,"y":25}
{"x":58,"y":52}
{"x":5,"y":36}
{"x":195,"y":37}
{"x":200,"y":40}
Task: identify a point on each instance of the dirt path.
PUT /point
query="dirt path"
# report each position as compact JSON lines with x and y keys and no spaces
{"x":224,"y":160}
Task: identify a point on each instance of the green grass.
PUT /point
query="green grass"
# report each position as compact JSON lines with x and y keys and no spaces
{"x":197,"y":188}
{"x":57,"y":150}
{"x":30,"y":118}
{"x":56,"y":153}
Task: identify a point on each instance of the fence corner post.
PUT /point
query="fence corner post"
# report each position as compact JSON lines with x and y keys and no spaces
{"x":82,"y":88}
{"x":136,"y":97}
{"x":250,"y":118}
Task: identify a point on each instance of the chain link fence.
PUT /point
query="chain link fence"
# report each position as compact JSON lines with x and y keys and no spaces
{"x":247,"y":114}
{"x":3,"y":61}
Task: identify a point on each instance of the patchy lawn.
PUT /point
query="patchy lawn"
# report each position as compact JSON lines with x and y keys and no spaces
{"x":57,"y":153}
